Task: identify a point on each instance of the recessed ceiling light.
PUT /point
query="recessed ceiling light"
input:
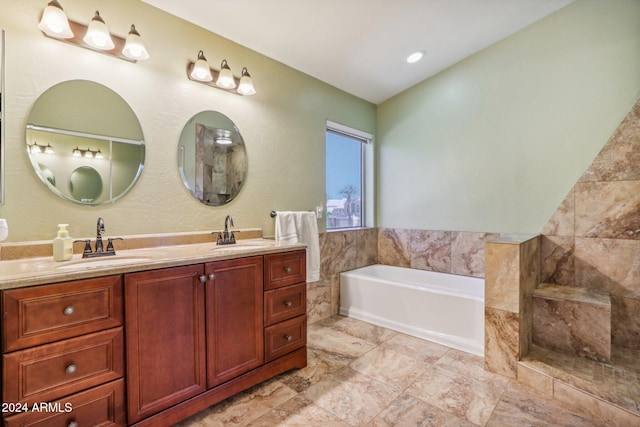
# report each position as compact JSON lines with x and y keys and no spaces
{"x":415,"y":57}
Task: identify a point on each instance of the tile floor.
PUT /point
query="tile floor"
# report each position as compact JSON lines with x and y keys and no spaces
{"x":364,"y":375}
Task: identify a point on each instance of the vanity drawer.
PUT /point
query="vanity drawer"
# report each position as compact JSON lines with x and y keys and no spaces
{"x":285,"y":337}
{"x":101,"y":406}
{"x":47,"y":313}
{"x":284,"y":303}
{"x":285,"y":269}
{"x":50,"y":371}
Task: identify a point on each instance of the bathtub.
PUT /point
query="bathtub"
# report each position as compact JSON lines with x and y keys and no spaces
{"x":443,"y":308}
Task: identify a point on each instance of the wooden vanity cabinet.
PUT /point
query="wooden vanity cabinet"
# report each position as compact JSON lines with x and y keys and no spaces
{"x":63,"y":348}
{"x":165,"y":338}
{"x":151,"y":348}
{"x":235,"y":340}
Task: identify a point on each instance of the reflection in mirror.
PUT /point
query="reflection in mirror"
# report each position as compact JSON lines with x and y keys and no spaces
{"x":212,"y":158}
{"x":2,"y":113}
{"x":85,"y":142}
{"x":85,"y":184}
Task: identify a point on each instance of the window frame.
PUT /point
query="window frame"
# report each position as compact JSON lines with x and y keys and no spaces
{"x":366,"y":169}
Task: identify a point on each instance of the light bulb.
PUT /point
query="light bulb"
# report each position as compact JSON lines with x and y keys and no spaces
{"x":201,"y":71}
{"x":54,"y":21}
{"x":98,"y":35}
{"x":134,"y":47}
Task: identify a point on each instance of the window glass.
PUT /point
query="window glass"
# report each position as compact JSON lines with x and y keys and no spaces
{"x":344,"y":182}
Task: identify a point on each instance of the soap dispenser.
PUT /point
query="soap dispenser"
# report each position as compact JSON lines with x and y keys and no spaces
{"x":62,"y":244}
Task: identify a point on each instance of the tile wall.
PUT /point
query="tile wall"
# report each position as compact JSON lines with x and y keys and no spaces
{"x":593,"y":239}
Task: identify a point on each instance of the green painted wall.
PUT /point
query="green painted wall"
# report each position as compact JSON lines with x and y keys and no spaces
{"x":282,"y":125}
{"x":495,"y":142}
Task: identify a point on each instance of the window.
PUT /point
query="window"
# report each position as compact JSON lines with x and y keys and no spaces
{"x":347,"y":155}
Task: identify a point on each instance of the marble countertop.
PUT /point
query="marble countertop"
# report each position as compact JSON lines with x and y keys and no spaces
{"x":41,"y":270}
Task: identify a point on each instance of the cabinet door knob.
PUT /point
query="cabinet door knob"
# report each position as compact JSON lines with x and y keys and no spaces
{"x":212,"y":276}
{"x":288,"y":303}
{"x":288,"y":337}
{"x":68,"y":311}
{"x":203,"y":278}
{"x":71,"y":369}
{"x":72,"y":424}
{"x":287,"y":269}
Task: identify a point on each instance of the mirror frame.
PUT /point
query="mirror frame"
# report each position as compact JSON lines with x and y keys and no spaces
{"x":3,"y":124}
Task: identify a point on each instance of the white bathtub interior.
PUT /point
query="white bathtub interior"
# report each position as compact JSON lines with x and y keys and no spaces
{"x":444,"y":308}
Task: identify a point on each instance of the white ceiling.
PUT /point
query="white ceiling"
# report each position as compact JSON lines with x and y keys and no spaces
{"x":360,"y":46}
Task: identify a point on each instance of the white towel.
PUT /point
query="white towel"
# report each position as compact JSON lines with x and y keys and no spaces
{"x":301,"y":227}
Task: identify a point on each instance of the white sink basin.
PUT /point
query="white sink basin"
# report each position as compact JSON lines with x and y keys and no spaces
{"x":101,"y":262}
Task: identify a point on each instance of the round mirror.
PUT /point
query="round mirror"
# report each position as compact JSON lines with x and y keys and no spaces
{"x":212,"y":158}
{"x":85,"y":143}
{"x":85,"y":184}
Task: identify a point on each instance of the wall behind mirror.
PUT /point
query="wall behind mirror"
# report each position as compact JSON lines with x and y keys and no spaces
{"x":282,"y":125}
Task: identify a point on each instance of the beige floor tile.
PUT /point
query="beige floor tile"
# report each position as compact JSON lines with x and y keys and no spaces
{"x":408,"y":411}
{"x":354,"y":397}
{"x":426,"y":351}
{"x":298,"y":412}
{"x":390,"y":367}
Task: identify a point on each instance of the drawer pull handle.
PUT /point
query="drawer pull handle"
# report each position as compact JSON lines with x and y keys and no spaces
{"x":71,"y":369}
{"x":212,"y":276}
{"x":288,"y":337}
{"x":68,"y":311}
{"x":72,"y":424}
{"x":287,"y":269}
{"x":288,"y":303}
{"x":203,"y":278}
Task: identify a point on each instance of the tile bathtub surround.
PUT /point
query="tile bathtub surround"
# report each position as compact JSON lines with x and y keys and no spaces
{"x":593,"y":239}
{"x":454,"y":252}
{"x":364,"y":375}
{"x":339,"y":251}
{"x":512,"y":272}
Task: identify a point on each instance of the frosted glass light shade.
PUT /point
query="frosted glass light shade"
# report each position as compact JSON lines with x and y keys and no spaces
{"x":98,"y":35}
{"x":134,"y":47}
{"x":246,"y":84}
{"x":225,"y":77}
{"x":54,"y":22}
{"x":201,"y":71}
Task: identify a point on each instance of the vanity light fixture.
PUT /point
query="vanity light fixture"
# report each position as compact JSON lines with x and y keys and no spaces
{"x":134,"y":47}
{"x":88,"y":153}
{"x":246,"y":84}
{"x":200,"y":71}
{"x":98,"y":35}
{"x":224,"y":79}
{"x":36,"y":148}
{"x":54,"y":22}
{"x":95,"y":36}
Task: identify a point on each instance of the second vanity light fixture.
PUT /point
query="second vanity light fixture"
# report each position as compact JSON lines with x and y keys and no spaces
{"x":95,"y":36}
{"x":224,"y":79}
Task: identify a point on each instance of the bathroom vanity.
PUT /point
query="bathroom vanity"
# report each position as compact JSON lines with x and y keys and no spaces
{"x":152,"y":335}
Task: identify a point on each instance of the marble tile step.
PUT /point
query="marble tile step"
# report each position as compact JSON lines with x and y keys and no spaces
{"x":573,"y":320}
{"x":610,"y":389}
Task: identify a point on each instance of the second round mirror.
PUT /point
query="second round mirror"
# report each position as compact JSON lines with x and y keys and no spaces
{"x":212,"y":158}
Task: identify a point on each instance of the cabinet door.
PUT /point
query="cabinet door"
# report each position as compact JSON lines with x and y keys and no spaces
{"x":165,"y":338}
{"x":235,"y":336}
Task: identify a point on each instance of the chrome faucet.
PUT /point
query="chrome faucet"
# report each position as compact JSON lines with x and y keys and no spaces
{"x":100,"y":251}
{"x":227,"y":237}
{"x":99,"y":232}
